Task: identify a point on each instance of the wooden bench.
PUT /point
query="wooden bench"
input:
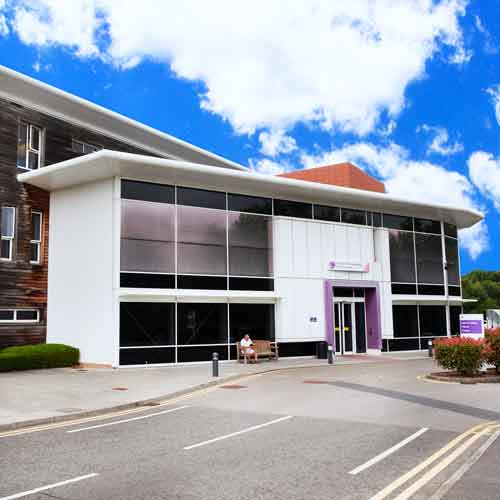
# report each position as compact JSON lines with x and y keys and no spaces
{"x":263,"y":348}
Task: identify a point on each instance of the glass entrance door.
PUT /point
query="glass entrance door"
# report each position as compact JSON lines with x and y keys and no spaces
{"x":349,"y":327}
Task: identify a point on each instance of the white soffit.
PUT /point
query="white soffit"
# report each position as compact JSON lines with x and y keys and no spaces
{"x":52,"y":101}
{"x":105,"y":164}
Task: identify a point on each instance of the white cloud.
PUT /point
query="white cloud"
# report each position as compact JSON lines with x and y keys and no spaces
{"x":413,"y":180}
{"x":475,"y":239}
{"x":276,"y":142}
{"x":494,"y":92}
{"x":267,"y":166}
{"x":336,"y":64}
{"x":4,"y":29}
{"x":484,"y":171}
{"x":489,"y":45}
{"x":440,"y":143}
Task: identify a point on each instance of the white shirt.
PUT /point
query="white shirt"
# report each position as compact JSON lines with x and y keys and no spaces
{"x":246,"y":343}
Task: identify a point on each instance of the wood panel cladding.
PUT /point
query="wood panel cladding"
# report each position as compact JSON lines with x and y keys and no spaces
{"x":22,"y":284}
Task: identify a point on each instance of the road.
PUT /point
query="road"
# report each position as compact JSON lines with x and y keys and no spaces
{"x":370,"y":431}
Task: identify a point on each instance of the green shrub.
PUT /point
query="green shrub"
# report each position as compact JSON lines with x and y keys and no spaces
{"x":30,"y":357}
{"x":493,"y":348}
{"x":462,"y":355}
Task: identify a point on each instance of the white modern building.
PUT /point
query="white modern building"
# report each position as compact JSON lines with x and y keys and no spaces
{"x":162,"y":261}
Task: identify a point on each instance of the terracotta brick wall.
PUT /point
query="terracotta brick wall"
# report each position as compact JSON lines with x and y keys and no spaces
{"x":340,"y":174}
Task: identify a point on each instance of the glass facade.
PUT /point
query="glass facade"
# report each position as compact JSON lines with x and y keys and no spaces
{"x":402,"y":249}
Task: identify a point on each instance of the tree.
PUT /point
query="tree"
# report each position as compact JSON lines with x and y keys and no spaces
{"x":484,"y":286}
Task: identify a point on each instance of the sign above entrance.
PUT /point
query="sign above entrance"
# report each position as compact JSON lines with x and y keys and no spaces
{"x":472,"y":326}
{"x":356,"y":267}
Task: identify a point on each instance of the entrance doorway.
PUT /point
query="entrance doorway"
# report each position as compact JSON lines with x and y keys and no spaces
{"x":349,"y":324}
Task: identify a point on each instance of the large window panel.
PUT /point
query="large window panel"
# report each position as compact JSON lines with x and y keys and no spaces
{"x":201,"y":198}
{"x":256,"y":320}
{"x":451,"y":248}
{"x":432,"y":321}
{"x":250,"y":245}
{"x":148,"y":235}
{"x":201,"y":324}
{"x":252,"y":204}
{"x":201,"y":247}
{"x":402,"y":256}
{"x":429,"y":258}
{"x":455,"y":312}
{"x":147,"y":324}
{"x":398,"y":222}
{"x":405,"y":321}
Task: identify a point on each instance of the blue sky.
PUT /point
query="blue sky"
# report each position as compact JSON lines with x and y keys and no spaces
{"x":409,"y":90}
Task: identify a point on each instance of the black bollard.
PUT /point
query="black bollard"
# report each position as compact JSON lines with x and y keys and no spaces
{"x":330,"y":355}
{"x":215,"y":364}
{"x":429,"y":345}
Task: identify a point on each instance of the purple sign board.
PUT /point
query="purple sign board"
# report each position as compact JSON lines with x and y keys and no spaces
{"x":472,"y":325}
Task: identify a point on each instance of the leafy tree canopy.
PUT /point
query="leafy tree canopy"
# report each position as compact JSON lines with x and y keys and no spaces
{"x":483,"y":286}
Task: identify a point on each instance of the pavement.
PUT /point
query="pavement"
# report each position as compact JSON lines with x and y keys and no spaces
{"x":38,"y":396}
{"x":371,"y":429}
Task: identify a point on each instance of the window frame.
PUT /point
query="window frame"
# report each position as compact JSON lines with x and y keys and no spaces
{"x":34,"y":241}
{"x":29,"y":148}
{"x":94,"y":147}
{"x":10,"y":239}
{"x":15,"y":320}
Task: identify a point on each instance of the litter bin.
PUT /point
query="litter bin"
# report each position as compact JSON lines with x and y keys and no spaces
{"x":322,"y":350}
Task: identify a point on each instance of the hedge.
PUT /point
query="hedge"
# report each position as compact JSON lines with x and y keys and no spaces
{"x":30,"y":357}
{"x":462,"y":355}
{"x":492,"y":352}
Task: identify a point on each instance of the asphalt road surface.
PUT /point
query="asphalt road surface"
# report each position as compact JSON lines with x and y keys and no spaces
{"x":370,"y":431}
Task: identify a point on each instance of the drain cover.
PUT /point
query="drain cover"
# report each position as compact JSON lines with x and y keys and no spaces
{"x":233,"y":386}
{"x":315,"y":382}
{"x":120,"y":389}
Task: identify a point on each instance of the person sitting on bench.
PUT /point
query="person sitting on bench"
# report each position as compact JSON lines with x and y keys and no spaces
{"x":248,"y":351}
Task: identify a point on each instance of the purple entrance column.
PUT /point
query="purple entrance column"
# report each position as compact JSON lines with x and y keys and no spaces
{"x":372,"y":305}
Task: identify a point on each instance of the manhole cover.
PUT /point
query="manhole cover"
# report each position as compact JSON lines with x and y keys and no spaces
{"x":233,"y":386}
{"x":120,"y":389}
{"x":315,"y":382}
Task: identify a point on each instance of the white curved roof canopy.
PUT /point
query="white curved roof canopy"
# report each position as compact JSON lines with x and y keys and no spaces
{"x":54,"y":102}
{"x":105,"y":164}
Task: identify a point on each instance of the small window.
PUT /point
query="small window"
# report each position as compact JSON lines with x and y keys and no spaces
{"x":351,"y":216}
{"x":322,"y":212}
{"x":147,"y":191}
{"x":450,"y":230}
{"x":7,"y":231}
{"x":29,"y":146}
{"x":427,"y":226}
{"x":398,"y":222}
{"x":376,"y":219}
{"x":36,"y":237}
{"x":293,"y":209}
{"x":19,"y":315}
{"x":201,"y":198}
{"x":251,"y":204}
{"x":84,"y":148}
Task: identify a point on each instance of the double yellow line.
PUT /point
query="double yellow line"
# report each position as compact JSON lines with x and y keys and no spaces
{"x":451,"y":451}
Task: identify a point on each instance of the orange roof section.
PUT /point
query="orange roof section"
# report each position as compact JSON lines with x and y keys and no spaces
{"x":339,"y":174}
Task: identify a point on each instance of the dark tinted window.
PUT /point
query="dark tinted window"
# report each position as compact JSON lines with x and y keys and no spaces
{"x":429,"y":258}
{"x":201,"y":323}
{"x":147,"y":356}
{"x":258,"y":284}
{"x":454,"y":291}
{"x":255,"y":319}
{"x":252,"y":204}
{"x":200,"y":353}
{"x":455,"y":312}
{"x":405,"y":321}
{"x":432,"y":321}
{"x":147,"y":280}
{"x":147,"y":323}
{"x":201,"y":198}
{"x":6,"y":315}
{"x":398,"y":222}
{"x":297,"y":349}
{"x":376,"y":219}
{"x":341,"y":291}
{"x":404,"y":344}
{"x":352,"y":216}
{"x":27,"y":315}
{"x":359,"y":292}
{"x":450,"y":230}
{"x":145,"y":191}
{"x":427,"y":226}
{"x":293,"y":209}
{"x":202,"y":282}
{"x":402,"y":255}
{"x":322,"y":212}
{"x":403,"y":289}
{"x":431,"y":289}
{"x":451,"y":248}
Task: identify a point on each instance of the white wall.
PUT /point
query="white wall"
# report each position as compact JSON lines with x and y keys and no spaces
{"x":302,"y":252}
{"x":80,"y":290}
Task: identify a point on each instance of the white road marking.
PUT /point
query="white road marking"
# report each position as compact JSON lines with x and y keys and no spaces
{"x":387,"y":452}
{"x":243,"y":431}
{"x":48,"y":487}
{"x":447,"y":485}
{"x":126,"y":420}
